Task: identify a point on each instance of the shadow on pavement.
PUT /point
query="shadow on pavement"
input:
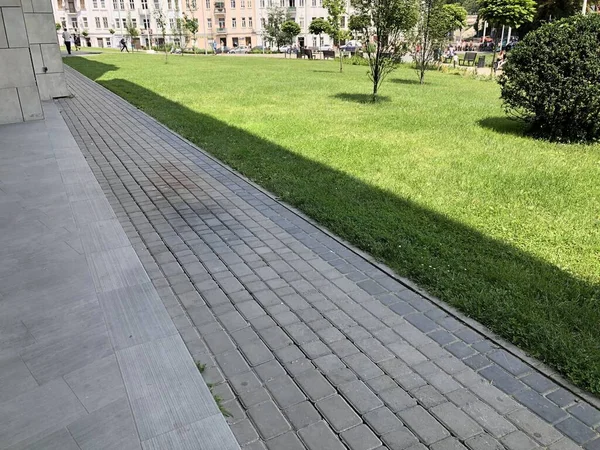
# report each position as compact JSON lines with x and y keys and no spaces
{"x":528,"y":301}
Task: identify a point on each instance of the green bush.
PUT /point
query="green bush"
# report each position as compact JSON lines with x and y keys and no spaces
{"x":552,"y":80}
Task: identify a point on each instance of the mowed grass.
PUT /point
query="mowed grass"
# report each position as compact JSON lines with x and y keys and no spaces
{"x":433,"y":180}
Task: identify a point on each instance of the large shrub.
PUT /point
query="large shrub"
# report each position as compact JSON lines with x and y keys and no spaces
{"x":552,"y":80}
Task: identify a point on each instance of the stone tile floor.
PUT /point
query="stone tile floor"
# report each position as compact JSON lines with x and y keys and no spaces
{"x":307,"y":344}
{"x":89,"y":356}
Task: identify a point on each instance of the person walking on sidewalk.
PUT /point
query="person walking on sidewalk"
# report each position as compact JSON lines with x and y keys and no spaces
{"x":67,"y":38}
{"x":124,"y":45}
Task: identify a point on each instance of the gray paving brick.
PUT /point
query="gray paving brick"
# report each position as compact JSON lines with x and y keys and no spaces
{"x":518,"y":441}
{"x":489,"y":419}
{"x":341,"y":376}
{"x":301,"y":333}
{"x":232,"y":363}
{"x":338,"y":413}
{"x":274,"y":337}
{"x":285,"y":392}
{"x":256,"y":352}
{"x":288,"y":441}
{"x":268,"y":420}
{"x":593,"y":445}
{"x":483,"y":442}
{"x":363,"y":366}
{"x":289,"y":354}
{"x":502,"y":379}
{"x":442,"y":337}
{"x":302,"y":415}
{"x":586,"y":413}
{"x":540,"y":405}
{"x":460,"y":350}
{"x":397,"y":399}
{"x":448,"y":444}
{"x":562,"y":397}
{"x":318,"y":436}
{"x":536,"y":428}
{"x":374,"y":350}
{"x":244,"y":432}
{"x":343,"y":348}
{"x":576,"y":430}
{"x":360,"y":438}
{"x":329,"y":363}
{"x":508,"y":362}
{"x":428,"y":396}
{"x":381,"y":383}
{"x":400,"y":439}
{"x":295,"y":368}
{"x":477,"y":361}
{"x":245,"y":382}
{"x":315,"y":349}
{"x":422,"y":322}
{"x":423,"y":424}
{"x":360,"y":396}
{"x":456,"y":420}
{"x":314,"y":385}
{"x":372,"y":287}
{"x":383,"y":421}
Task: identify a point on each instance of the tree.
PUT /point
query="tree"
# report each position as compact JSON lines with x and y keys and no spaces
{"x":335,"y":9}
{"x":191,"y":25}
{"x":161,"y":23}
{"x":58,"y":26}
{"x":131,"y":31}
{"x":179,"y":27}
{"x":356,"y":24}
{"x":436,"y":23}
{"x":384,"y":22}
{"x":511,"y":13}
{"x":319,"y":26}
{"x":290,"y":30}
{"x":276,"y":16}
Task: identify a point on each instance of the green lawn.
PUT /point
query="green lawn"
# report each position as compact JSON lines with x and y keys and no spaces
{"x":434,"y":181}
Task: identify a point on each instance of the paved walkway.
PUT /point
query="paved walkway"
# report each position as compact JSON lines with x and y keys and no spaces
{"x":89,"y":357}
{"x":307,"y":344}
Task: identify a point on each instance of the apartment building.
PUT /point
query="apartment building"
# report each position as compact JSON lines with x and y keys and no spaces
{"x":99,"y":17}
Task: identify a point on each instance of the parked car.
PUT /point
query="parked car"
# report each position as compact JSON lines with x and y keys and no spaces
{"x":239,"y":50}
{"x":351,"y":46}
{"x":285,"y":49}
{"x":222,"y":50}
{"x":325,"y":47}
{"x":260,"y":48}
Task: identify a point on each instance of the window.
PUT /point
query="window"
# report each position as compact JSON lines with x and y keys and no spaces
{"x":105,"y":22}
{"x":343,"y":21}
{"x":250,"y":22}
{"x":207,"y":4}
{"x":232,"y":4}
{"x":102,"y":4}
{"x":134,"y":23}
{"x":122,"y":4}
{"x":301,"y":22}
{"x":262,"y":3}
{"x":292,"y":3}
{"x":64,"y":22}
{"x":221,"y":22}
{"x":243,"y":22}
{"x":314,"y":3}
{"x":146,"y":23}
{"x":74,"y":23}
{"x":171,"y":23}
{"x":249,"y":3}
{"x":169,"y":5}
{"x":115,"y":4}
{"x":301,"y":3}
{"x":60,"y":4}
{"x":131,"y":4}
{"x":95,"y":4}
{"x":320,"y":3}
{"x":314,"y":41}
{"x":85,"y":22}
{"x":235,"y":42}
{"x":97,"y":22}
{"x":144,"y":4}
{"x":263,"y":22}
{"x":108,"y":42}
{"x":233,"y":22}
{"x":82,"y":5}
{"x":209,"y":22}
{"x":282,"y":3}
{"x":156,"y":4}
{"x":124,"y":23}
{"x":242,"y":3}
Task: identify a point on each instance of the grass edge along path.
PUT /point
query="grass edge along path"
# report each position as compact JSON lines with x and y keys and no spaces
{"x":545,"y":310}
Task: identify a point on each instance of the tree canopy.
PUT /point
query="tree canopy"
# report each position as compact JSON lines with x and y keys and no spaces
{"x":319,"y":26}
{"x":511,"y":13}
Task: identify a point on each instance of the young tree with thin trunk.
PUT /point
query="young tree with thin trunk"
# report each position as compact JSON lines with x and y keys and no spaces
{"x":336,"y":9}
{"x":319,"y":26}
{"x":384,"y":22}
{"x":191,"y":25}
{"x":510,"y":13}
{"x":290,"y":30}
{"x":436,"y":21}
{"x":131,"y":31}
{"x":161,"y":23}
{"x":276,"y":16}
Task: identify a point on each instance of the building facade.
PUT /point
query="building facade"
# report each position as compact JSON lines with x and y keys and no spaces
{"x":226,"y":23}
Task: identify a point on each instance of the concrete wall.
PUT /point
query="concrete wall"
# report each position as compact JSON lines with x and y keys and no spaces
{"x":31,"y":65}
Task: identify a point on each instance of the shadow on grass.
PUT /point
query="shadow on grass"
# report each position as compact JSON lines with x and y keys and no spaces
{"x":504,"y":125}
{"x":361,"y":98}
{"x":536,"y":305}
{"x":405,"y":81}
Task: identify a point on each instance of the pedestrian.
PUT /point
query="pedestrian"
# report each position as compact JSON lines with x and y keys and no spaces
{"x":124,"y":45}
{"x":214,"y":46}
{"x":67,"y":38}
{"x":77,"y":41}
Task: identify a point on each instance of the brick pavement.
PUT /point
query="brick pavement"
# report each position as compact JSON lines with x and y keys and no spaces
{"x":307,"y":344}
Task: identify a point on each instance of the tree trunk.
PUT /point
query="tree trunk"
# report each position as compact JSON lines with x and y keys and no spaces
{"x":341,"y":58}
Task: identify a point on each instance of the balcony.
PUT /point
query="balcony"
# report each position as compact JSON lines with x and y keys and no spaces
{"x":221,"y":30}
{"x":219,"y":8}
